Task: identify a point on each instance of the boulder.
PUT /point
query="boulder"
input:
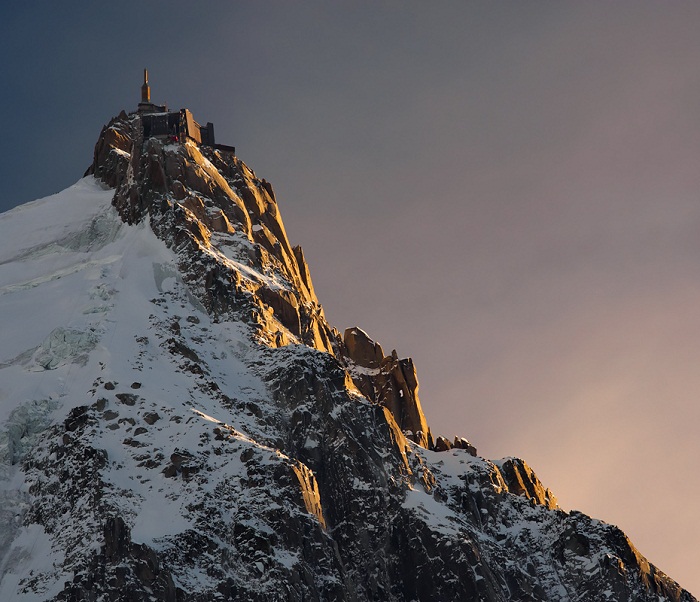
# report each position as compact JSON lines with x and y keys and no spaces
{"x":442,"y":444}
{"x":462,"y":443}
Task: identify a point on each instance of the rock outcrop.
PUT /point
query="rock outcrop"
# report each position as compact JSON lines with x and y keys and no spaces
{"x":387,"y":380}
{"x":522,"y":480}
{"x":214,"y":438}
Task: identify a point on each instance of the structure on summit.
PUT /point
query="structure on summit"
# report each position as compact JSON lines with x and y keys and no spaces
{"x":174,"y":126}
{"x":145,"y":89}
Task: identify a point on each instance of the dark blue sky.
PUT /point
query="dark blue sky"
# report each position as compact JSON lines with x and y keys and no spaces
{"x":505,"y":191}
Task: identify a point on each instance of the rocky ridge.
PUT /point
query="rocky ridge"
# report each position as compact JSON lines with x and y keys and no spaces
{"x":226,"y":443}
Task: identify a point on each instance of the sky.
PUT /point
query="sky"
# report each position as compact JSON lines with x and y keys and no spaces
{"x":507,"y":192}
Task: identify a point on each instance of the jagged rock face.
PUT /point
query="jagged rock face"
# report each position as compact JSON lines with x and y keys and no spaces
{"x":188,"y":427}
{"x":205,"y":203}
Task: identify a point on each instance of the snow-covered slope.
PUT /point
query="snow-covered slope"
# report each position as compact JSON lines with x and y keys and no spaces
{"x":179,"y":422}
{"x":96,"y":320}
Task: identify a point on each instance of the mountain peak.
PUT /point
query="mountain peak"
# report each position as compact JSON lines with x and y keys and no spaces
{"x":181,"y":423}
{"x":207,"y":204}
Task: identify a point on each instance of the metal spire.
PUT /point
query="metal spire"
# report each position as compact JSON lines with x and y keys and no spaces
{"x":145,"y":89}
